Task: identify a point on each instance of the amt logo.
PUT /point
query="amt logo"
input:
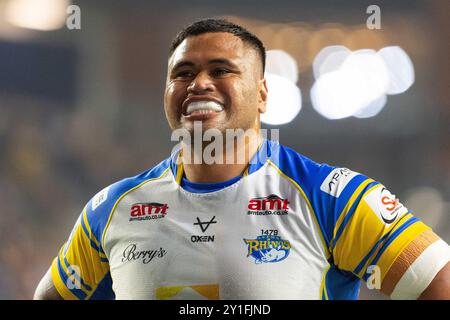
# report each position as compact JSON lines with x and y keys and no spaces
{"x":148,"y":211}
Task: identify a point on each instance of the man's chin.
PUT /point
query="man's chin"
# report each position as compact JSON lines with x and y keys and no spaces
{"x":200,"y":127}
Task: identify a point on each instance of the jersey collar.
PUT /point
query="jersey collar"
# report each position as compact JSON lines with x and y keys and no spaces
{"x":267,"y":150}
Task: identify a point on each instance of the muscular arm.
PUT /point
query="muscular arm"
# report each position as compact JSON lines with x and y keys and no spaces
{"x":439,"y":288}
{"x":46,"y":289}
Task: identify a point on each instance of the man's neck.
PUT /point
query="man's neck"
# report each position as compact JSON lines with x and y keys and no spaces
{"x":241,"y":153}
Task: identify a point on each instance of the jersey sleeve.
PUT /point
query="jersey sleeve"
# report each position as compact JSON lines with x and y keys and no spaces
{"x":378,"y":239}
{"x":81,"y":269}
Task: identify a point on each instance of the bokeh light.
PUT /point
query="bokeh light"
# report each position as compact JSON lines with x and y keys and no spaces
{"x":41,"y":15}
{"x":284,"y":100}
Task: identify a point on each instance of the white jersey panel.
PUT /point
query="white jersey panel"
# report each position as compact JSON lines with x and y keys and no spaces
{"x":255,"y":239}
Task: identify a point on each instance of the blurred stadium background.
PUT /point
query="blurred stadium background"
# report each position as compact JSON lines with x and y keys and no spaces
{"x":80,"y":109}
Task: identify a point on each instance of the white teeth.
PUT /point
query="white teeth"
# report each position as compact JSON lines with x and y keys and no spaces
{"x":204,"y":106}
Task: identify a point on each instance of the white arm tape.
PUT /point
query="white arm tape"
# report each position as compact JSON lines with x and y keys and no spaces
{"x":423,"y":270}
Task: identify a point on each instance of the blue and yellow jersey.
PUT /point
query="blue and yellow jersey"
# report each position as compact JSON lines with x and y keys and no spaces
{"x":289,"y":228}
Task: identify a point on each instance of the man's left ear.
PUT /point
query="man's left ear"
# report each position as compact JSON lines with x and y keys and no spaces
{"x":262,"y":95}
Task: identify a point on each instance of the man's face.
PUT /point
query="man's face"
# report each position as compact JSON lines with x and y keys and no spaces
{"x":217,"y":79}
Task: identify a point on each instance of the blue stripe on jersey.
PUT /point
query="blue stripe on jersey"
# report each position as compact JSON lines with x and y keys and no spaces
{"x":364,"y":260}
{"x":206,"y":187}
{"x":93,"y":245}
{"x":260,"y":158}
{"x":341,"y":285}
{"x":80,"y":294}
{"x":308,"y":175}
{"x":104,"y":289}
{"x":340,"y":202}
{"x":374,"y":248}
{"x":76,"y":275}
{"x":257,"y":161}
{"x":394,"y":235}
{"x":98,"y":218}
{"x":353,"y":207}
{"x":173,"y":161}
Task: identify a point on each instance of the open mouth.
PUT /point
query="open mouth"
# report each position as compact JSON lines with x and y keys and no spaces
{"x":203,"y":108}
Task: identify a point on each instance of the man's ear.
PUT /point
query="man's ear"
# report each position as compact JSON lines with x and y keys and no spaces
{"x":262,"y":90}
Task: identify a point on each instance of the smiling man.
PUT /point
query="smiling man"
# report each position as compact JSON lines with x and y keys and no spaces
{"x":274,"y":226}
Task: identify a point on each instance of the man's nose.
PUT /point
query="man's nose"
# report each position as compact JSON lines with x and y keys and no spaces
{"x":201,"y":83}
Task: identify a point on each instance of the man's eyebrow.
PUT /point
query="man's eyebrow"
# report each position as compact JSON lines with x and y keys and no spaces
{"x":187,"y":63}
{"x":222,"y":61}
{"x":183,"y":63}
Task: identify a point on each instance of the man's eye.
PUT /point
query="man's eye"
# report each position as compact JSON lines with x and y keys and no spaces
{"x":220,"y":72}
{"x":184,"y":74}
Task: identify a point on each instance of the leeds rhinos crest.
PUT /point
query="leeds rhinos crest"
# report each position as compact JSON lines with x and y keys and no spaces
{"x":268,"y":248}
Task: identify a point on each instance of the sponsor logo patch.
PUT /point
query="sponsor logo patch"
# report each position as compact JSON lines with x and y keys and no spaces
{"x":385,"y":205}
{"x":99,"y":198}
{"x":268,"y":248}
{"x":191,"y":292}
{"x":204,"y":225}
{"x":148,"y":211}
{"x":337,"y":180}
{"x":271,"y":205}
{"x":145,"y":256}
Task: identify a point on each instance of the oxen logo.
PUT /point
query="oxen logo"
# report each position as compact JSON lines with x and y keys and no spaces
{"x":268,"y":249}
{"x":204,"y":225}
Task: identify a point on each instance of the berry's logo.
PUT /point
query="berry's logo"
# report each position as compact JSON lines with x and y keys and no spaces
{"x":271,"y":205}
{"x":148,"y":211}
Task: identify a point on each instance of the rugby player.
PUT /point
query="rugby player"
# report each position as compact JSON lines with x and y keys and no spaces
{"x":276,"y":225}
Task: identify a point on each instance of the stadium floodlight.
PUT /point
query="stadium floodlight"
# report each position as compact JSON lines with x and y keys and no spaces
{"x":284,"y":100}
{"x":41,"y":15}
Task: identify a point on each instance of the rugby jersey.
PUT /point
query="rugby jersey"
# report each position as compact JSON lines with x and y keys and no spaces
{"x":289,"y":228}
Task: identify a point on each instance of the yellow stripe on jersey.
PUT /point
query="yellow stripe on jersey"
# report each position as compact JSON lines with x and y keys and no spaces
{"x":349,"y":204}
{"x":394,"y":227}
{"x":87,"y":259}
{"x":209,"y":291}
{"x":87,"y":267}
{"x":302,"y":193}
{"x":406,"y":258}
{"x":361,"y":233}
{"x":180,"y":171}
{"x":91,"y":235}
{"x":323,"y":287}
{"x":60,"y":286}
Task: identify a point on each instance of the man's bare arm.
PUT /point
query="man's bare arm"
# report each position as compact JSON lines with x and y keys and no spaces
{"x":46,"y":289}
{"x":439,"y":288}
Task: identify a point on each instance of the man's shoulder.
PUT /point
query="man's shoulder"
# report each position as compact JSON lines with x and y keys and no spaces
{"x":101,"y":204}
{"x":299,"y":167}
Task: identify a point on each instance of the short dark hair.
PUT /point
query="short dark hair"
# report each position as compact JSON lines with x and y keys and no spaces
{"x":220,"y":25}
